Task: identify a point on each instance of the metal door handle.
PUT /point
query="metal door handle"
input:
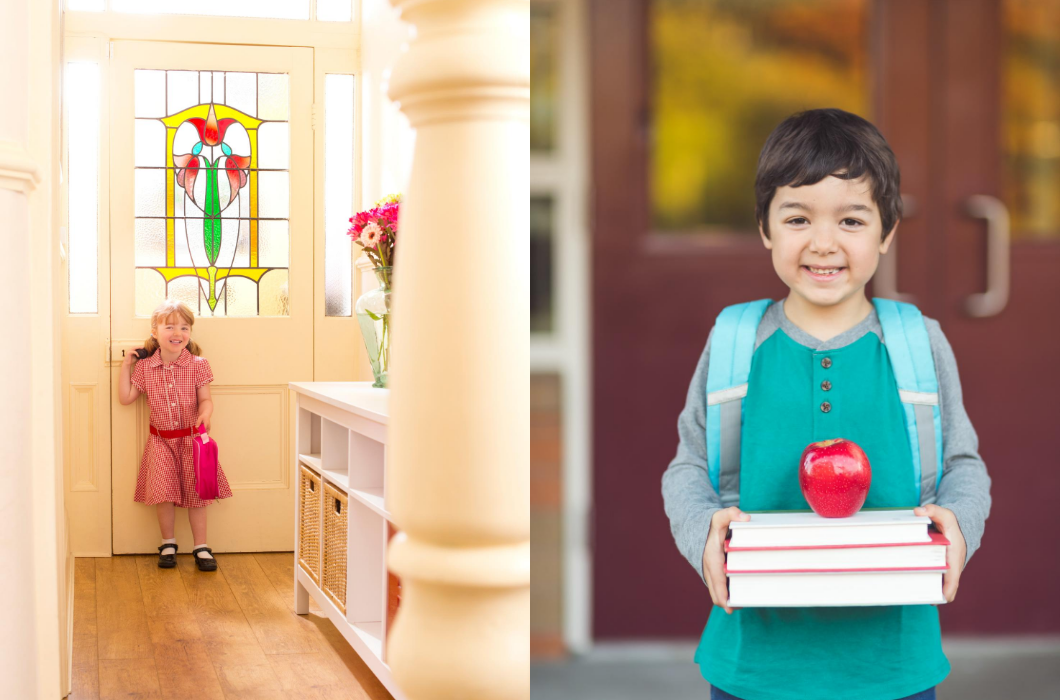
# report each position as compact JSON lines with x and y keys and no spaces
{"x":885,"y":281}
{"x":998,"y":273}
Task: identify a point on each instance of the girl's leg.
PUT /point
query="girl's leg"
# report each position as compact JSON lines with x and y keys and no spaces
{"x":203,"y":559}
{"x":165,"y":520}
{"x":197,"y":518}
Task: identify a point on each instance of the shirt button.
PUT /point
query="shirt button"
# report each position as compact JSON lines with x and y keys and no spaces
{"x":826,"y":407}
{"x":826,"y":362}
{"x":826,"y":385}
{"x":172,"y":404}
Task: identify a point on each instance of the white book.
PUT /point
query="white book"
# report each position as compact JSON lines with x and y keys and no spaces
{"x":810,"y":529}
{"x":837,"y":557}
{"x":835,"y":589}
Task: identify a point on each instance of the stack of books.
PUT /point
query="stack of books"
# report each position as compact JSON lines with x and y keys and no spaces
{"x":878,"y":557}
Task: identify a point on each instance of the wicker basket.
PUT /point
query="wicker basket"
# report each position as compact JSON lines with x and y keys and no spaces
{"x":309,"y":499}
{"x":333,"y":569}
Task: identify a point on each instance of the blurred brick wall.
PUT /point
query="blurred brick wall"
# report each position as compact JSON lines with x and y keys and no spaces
{"x":546,"y":535}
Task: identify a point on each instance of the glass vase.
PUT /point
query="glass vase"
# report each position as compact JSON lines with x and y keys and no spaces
{"x":373,"y":316}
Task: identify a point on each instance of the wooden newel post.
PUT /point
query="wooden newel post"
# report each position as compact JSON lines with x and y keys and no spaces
{"x":458,"y":460}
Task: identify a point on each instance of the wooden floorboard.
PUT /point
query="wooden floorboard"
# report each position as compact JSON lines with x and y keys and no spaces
{"x":120,"y":618}
{"x":85,"y":681}
{"x":144,"y":632}
{"x":279,"y":567}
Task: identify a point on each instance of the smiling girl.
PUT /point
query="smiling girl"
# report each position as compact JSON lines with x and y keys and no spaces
{"x":176,"y":380}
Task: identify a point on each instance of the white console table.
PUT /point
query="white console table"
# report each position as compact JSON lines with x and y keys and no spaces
{"x":342,"y":525}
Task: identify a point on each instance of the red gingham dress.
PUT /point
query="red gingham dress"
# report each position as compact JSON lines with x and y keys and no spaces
{"x":171,"y":394}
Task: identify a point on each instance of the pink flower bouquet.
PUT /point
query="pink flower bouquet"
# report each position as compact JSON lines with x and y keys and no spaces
{"x":375,"y":230}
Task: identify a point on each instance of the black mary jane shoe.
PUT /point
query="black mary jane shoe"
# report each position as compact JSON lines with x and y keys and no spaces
{"x":204,"y":563}
{"x":167,"y":561}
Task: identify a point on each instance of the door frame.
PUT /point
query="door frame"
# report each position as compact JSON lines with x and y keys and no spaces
{"x":87,"y":375}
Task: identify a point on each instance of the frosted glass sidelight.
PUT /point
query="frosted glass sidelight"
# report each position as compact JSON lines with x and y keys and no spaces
{"x":150,"y":90}
{"x":274,"y":244}
{"x":82,"y":118}
{"x":84,"y":5}
{"x":338,"y":194}
{"x":272,"y":96}
{"x":274,"y":195}
{"x":334,"y":10}
{"x":150,"y":143}
{"x":274,"y":9}
{"x":150,"y":242}
{"x":274,"y":146}
{"x":241,"y":91}
{"x":182,"y":90}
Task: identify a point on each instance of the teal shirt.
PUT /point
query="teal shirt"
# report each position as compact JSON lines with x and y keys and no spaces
{"x":857,"y":653}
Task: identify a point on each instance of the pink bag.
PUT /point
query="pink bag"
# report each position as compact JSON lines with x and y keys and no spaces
{"x":204,"y":452}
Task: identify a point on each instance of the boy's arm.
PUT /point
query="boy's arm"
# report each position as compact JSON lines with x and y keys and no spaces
{"x":965,"y":485}
{"x":688,"y":496}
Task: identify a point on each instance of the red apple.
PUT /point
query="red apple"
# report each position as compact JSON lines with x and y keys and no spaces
{"x":835,"y":477}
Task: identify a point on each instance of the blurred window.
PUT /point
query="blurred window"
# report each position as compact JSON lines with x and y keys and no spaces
{"x":544,"y":53}
{"x":1031,"y":117}
{"x":724,"y":73}
{"x":541,"y":267}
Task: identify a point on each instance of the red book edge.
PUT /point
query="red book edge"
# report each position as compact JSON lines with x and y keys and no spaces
{"x":936,"y":538}
{"x":832,"y":571}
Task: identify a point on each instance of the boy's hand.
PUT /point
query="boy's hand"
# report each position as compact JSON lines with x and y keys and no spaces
{"x":946,"y":522}
{"x":714,"y":555}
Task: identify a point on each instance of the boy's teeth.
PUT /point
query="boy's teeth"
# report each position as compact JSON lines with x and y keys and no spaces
{"x":823,"y":270}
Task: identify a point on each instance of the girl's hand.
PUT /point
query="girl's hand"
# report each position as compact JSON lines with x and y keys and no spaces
{"x":946,"y":522}
{"x":130,"y":358}
{"x":204,"y":420}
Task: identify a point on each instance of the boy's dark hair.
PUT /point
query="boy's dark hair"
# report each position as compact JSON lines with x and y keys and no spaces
{"x":809,"y":146}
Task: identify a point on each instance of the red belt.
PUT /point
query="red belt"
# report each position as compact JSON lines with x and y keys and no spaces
{"x":170,"y":434}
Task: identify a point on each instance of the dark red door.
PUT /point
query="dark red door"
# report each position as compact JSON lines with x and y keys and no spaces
{"x":946,"y":95}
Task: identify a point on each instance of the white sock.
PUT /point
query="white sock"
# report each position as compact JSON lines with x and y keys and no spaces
{"x":169,"y":550}
{"x":203,"y":555}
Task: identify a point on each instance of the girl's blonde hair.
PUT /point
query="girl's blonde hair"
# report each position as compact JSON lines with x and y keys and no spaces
{"x":165,"y":310}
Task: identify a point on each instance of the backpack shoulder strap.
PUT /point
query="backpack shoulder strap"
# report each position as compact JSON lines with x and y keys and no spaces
{"x":909,"y":348}
{"x":731,"y":348}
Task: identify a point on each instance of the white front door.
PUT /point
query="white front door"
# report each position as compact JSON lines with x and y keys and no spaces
{"x":211,"y":152}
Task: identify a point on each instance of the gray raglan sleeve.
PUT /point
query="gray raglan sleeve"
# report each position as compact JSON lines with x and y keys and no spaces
{"x":965,"y":485}
{"x":688,"y":496}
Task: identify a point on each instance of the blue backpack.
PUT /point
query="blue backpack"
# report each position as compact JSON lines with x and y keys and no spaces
{"x":909,"y":348}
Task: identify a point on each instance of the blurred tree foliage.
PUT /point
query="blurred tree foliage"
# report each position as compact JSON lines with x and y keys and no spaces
{"x":1031,"y":116}
{"x":724,"y":73}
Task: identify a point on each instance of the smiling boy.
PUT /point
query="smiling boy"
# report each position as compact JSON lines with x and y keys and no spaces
{"x":828,"y":205}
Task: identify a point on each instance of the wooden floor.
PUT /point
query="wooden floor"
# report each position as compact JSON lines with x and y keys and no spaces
{"x":144,"y":632}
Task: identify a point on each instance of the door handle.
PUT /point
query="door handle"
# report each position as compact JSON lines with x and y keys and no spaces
{"x":998,"y":271}
{"x":885,"y":281}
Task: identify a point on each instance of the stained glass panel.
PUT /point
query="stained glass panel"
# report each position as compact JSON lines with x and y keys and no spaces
{"x":211,"y":227}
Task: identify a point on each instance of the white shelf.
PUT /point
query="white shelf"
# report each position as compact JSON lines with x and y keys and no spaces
{"x":373,"y":498}
{"x":337,"y":478}
{"x":341,"y":434}
{"x":312,"y":461}
{"x":372,"y":635}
